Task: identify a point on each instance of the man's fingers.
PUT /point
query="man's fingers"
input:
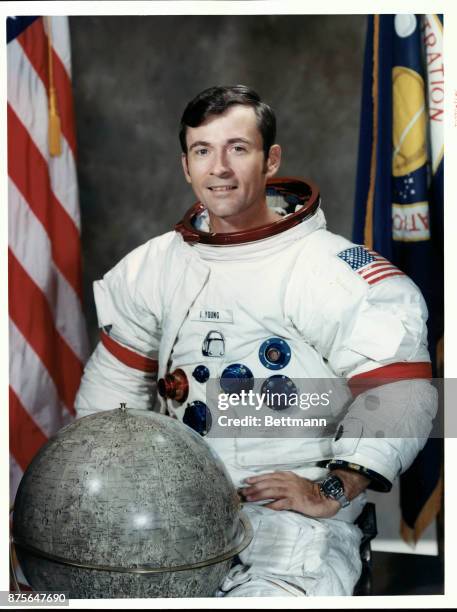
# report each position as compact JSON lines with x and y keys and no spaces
{"x":255,"y":479}
{"x":260,"y":485}
{"x":280,"y":504}
{"x":262,"y":477}
{"x":263,"y":485}
{"x":266,"y":493}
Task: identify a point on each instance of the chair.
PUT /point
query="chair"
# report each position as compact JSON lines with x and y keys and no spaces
{"x":367,"y":524}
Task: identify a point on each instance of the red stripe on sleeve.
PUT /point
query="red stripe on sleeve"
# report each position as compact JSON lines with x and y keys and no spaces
{"x":127,"y":356}
{"x":31,"y":313}
{"x":34,"y":42}
{"x":29,"y":171}
{"x":26,"y":438}
{"x":389,"y":374}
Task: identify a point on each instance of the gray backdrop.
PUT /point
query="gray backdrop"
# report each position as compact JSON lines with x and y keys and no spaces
{"x":133,"y":77}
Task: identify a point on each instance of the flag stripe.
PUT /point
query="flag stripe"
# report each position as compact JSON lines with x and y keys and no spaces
{"x":377,"y":265}
{"x":16,"y":473}
{"x":62,"y":168}
{"x":36,"y":188}
{"x":369,"y":273}
{"x":376,"y":255}
{"x":61,"y":297}
{"x":26,"y":438}
{"x":37,"y":325}
{"x":34,"y":42}
{"x":37,"y":393}
{"x":379,"y":278}
{"x":383,"y":274}
{"x":61,"y":41}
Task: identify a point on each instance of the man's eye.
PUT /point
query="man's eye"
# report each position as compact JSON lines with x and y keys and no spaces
{"x":201,"y":152}
{"x":239,"y":149}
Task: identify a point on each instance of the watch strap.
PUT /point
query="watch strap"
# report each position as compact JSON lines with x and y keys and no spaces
{"x":377,"y":482}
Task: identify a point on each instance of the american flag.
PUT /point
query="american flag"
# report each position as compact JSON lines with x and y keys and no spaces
{"x":47,"y":333}
{"x":371,"y":266}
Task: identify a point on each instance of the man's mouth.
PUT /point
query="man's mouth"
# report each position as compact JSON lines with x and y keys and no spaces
{"x":222,"y":187}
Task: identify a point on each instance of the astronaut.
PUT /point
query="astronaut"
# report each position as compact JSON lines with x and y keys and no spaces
{"x":250,"y":288}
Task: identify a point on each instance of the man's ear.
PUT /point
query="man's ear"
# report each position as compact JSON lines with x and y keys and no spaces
{"x":185,"y":167}
{"x":273,"y":160}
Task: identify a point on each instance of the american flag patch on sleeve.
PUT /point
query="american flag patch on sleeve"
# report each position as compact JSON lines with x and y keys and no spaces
{"x":371,"y":266}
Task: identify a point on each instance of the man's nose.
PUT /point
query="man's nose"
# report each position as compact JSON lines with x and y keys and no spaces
{"x":221,"y":166}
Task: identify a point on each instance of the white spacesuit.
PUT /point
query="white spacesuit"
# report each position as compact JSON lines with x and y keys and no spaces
{"x":296,"y":304}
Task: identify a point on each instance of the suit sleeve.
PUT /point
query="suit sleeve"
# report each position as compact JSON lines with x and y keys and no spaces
{"x":123,"y":367}
{"x":373,"y":334}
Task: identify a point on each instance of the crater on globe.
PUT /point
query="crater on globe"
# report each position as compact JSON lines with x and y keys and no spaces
{"x":127,"y":503}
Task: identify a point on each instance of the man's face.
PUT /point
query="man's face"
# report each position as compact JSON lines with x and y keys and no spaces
{"x":226,"y":167}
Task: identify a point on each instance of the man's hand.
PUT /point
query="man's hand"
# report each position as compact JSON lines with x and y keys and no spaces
{"x":292,"y":492}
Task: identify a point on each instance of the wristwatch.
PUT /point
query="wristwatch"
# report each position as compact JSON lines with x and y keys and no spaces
{"x":332,"y":486}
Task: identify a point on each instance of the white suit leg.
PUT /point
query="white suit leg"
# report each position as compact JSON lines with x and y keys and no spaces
{"x":292,"y":555}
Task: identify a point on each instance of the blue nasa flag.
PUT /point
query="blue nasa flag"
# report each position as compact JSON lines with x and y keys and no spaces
{"x":399,"y":197}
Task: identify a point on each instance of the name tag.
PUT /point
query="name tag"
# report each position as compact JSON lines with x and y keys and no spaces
{"x":211,"y":315}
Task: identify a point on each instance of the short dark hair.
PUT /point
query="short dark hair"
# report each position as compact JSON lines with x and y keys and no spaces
{"x":216,"y":100}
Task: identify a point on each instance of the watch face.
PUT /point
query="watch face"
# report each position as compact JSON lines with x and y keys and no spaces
{"x":332,"y":487}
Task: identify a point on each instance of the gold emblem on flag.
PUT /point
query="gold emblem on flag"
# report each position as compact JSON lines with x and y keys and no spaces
{"x":409,"y":121}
